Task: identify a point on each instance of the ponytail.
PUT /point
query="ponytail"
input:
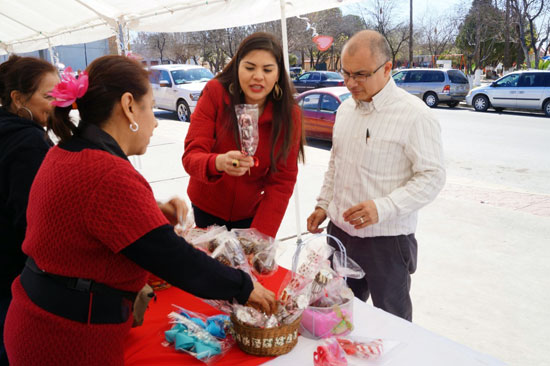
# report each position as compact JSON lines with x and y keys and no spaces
{"x":61,"y":123}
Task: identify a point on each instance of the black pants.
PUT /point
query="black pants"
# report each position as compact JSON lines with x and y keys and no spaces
{"x":204,"y":219}
{"x":388,"y":262}
{"x":5,"y":300}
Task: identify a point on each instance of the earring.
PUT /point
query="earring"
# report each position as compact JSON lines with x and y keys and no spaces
{"x":26,"y":110}
{"x":134,"y":127}
{"x":277,"y":92}
{"x":231,"y":89}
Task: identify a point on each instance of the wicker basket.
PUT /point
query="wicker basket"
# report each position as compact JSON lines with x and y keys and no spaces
{"x":265,"y":341}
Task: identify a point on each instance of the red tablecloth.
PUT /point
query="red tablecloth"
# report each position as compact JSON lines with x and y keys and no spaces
{"x":144,"y":345}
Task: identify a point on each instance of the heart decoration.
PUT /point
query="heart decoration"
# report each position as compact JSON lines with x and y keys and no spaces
{"x":323,"y":42}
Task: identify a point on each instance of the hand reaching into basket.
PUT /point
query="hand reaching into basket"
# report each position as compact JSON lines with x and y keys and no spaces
{"x":262,"y":299}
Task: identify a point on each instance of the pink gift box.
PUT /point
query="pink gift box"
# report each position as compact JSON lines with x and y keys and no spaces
{"x":319,"y":322}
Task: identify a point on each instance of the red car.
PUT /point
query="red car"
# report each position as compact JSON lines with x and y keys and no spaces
{"x":319,"y":110}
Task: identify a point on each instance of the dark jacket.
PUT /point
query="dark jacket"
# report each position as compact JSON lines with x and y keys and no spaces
{"x":23,"y":146}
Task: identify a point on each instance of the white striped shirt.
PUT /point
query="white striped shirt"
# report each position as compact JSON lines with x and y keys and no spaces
{"x":400,"y":167}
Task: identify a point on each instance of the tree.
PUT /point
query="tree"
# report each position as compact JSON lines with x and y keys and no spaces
{"x":381,"y":16}
{"x":152,"y":44}
{"x":525,"y":13}
{"x":480,"y":33}
{"x":438,"y":33}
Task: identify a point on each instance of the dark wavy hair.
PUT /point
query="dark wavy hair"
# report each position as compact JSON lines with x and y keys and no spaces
{"x":282,"y":109}
{"x":23,"y":74}
{"x":109,"y":77}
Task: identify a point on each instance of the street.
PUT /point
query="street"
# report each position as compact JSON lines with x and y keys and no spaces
{"x":482,"y":276}
{"x":511,"y":149}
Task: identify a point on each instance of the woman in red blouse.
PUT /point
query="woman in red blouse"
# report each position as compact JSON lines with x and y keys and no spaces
{"x":226,"y":186}
{"x":94,"y":230}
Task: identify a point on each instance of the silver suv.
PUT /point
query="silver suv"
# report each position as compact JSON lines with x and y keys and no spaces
{"x":434,"y":86}
{"x":178,"y":87}
{"x":528,"y":89}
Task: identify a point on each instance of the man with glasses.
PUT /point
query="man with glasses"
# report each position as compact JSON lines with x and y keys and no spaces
{"x":386,"y":163}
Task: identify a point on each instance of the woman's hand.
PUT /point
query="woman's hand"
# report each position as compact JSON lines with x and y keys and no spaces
{"x":234,"y":163}
{"x":175,"y":210}
{"x":262,"y":299}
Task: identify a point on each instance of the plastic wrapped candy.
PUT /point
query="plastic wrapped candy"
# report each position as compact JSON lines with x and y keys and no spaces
{"x":293,"y":298}
{"x":260,"y":249}
{"x":202,"y":337}
{"x":329,"y":353}
{"x":263,"y":263}
{"x":192,"y":234}
{"x":247,"y":118}
{"x":230,"y":253}
{"x":335,"y":292}
{"x":208,"y":241}
{"x":368,"y":351}
{"x":253,"y":241}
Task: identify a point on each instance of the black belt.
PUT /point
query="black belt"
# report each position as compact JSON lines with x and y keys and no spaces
{"x":78,"y":299}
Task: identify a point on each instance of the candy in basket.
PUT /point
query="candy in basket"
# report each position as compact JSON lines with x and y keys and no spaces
{"x":202,"y":337}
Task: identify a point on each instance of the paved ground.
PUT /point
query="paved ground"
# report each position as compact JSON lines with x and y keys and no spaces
{"x":482,"y":278}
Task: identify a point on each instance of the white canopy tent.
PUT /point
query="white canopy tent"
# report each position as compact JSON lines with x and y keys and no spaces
{"x":28,"y":25}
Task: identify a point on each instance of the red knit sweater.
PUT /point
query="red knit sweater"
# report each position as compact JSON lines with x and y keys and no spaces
{"x":84,"y":208}
{"x":261,"y":195}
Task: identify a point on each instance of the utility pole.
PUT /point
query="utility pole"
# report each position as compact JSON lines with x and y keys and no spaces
{"x":411,"y":35}
{"x":506,"y":63}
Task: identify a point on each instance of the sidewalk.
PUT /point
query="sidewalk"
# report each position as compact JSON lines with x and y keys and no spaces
{"x":483,"y":250}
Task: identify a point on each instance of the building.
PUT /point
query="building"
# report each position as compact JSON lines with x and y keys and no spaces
{"x":77,"y":56}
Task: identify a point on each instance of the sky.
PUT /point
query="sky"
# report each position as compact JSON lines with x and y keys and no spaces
{"x":420,"y":7}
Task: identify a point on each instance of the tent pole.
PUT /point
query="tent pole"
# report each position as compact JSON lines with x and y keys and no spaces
{"x":287,"y":67}
{"x":50,"y":49}
{"x":285,"y":36}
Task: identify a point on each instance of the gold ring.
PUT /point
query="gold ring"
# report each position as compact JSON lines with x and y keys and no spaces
{"x":235,"y":163}
{"x":361,"y":220}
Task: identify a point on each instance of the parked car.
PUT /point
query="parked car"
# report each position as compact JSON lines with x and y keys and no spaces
{"x":295,"y":71}
{"x":178,"y":87}
{"x":319,"y":110}
{"x":317,"y":79}
{"x":434,"y":86}
{"x":529,"y":89}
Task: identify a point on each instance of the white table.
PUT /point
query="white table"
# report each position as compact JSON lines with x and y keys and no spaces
{"x":419,"y":346}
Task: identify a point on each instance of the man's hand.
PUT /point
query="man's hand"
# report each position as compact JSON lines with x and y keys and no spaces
{"x":316,"y":219}
{"x":175,"y":210}
{"x":362,"y":215}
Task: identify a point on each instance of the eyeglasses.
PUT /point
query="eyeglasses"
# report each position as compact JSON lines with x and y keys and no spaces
{"x":360,"y":77}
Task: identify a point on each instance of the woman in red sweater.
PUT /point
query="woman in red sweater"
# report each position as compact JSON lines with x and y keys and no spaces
{"x":94,"y":230}
{"x":226,"y":186}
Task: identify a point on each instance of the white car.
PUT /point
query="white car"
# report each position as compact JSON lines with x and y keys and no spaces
{"x":178,"y":87}
{"x":529,"y":89}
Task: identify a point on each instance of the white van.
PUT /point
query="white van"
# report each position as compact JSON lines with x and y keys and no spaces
{"x":529,"y":89}
{"x":178,"y":87}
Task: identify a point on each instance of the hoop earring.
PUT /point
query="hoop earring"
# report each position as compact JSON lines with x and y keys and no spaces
{"x":26,"y":110}
{"x":231,"y":89}
{"x":134,"y":127}
{"x":277,"y":92}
